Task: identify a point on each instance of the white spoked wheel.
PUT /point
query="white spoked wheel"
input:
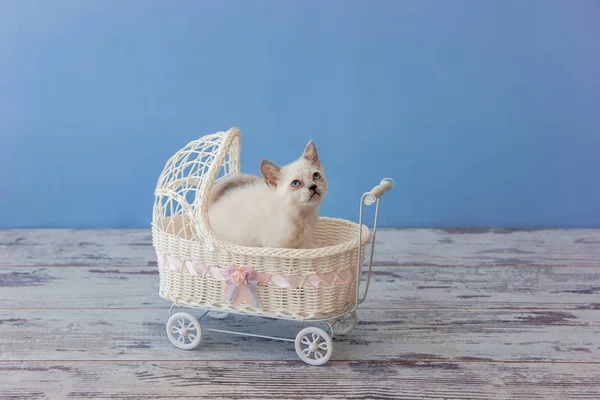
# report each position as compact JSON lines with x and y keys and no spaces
{"x":345,"y":324}
{"x":184,"y":331}
{"x":218,"y":314}
{"x":314,"y":346}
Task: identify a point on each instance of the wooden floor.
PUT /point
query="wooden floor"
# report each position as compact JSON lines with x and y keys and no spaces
{"x":450,"y":315}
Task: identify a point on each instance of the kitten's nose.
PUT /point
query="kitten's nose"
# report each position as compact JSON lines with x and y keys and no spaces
{"x":313,"y":187}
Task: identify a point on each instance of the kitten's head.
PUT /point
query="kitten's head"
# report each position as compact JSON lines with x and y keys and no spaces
{"x":302,"y":183}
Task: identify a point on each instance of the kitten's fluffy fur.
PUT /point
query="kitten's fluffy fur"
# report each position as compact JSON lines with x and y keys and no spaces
{"x":280,"y":211}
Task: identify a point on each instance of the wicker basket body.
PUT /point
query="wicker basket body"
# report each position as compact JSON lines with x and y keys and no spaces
{"x":294,"y":283}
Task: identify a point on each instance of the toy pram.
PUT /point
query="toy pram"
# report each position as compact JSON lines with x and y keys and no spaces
{"x":199,"y":271}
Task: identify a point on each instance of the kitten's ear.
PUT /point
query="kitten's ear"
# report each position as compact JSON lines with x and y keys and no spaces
{"x":270,"y":172}
{"x":310,"y":153}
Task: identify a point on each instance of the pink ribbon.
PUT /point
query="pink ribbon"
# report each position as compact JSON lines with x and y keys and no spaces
{"x":331,"y":278}
{"x":240,"y":285}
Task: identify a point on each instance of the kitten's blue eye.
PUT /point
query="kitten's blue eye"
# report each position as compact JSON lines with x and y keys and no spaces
{"x":296,"y":183}
{"x":316,"y":176}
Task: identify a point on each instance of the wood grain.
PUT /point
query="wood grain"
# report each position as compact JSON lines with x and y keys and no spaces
{"x":393,"y":287}
{"x":425,"y":335}
{"x":405,"y":247}
{"x":295,"y":380}
{"x":451,"y":314}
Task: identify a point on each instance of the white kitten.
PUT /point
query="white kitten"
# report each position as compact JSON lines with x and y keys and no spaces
{"x":281,"y":211}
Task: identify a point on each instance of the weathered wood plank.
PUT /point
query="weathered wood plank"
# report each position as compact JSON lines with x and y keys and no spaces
{"x":577,"y":247}
{"x":392,"y":287}
{"x":76,"y":247}
{"x":295,"y":380}
{"x":468,"y":247}
{"x":424,"y":335}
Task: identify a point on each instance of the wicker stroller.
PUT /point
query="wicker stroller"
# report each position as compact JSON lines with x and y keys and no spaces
{"x":199,"y":271}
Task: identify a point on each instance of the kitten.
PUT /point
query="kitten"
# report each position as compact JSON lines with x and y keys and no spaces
{"x":281,"y":210}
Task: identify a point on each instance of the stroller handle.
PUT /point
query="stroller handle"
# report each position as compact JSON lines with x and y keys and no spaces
{"x":369,"y":198}
{"x":384,"y":186}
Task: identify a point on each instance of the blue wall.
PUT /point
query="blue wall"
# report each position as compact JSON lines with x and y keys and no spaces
{"x":487,"y":113}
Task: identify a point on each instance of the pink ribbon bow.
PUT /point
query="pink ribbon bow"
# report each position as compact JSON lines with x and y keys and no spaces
{"x":239,"y":283}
